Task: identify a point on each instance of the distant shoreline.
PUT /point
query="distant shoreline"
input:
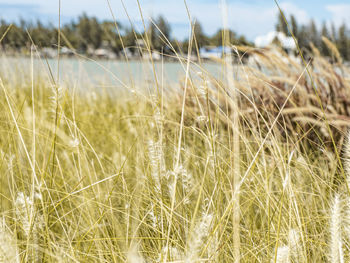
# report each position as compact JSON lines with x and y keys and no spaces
{"x":165,"y":58}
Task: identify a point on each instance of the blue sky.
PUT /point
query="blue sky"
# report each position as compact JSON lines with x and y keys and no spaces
{"x":248,"y":17}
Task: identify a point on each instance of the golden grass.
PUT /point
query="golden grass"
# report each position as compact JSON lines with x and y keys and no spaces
{"x":151,"y":176}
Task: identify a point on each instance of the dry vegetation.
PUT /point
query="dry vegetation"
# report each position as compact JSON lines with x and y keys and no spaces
{"x":248,"y":166}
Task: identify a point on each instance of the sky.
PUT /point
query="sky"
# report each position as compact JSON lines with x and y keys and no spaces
{"x":251,"y":18}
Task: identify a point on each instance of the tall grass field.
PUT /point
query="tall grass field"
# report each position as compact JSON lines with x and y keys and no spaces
{"x":251,"y":165}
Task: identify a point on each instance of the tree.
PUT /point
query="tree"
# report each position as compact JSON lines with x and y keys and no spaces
{"x":324,"y":32}
{"x":95,"y":32}
{"x":16,"y":37}
{"x":41,"y":35}
{"x":343,"y":42}
{"x":243,"y":41}
{"x":89,"y":31}
{"x":70,"y":32}
{"x":83,"y":28}
{"x":164,"y":27}
{"x":294,"y":26}
{"x":223,"y":37}
{"x":281,"y":25}
{"x":129,"y":39}
{"x":313,"y":33}
{"x":159,"y":34}
{"x":110,"y":35}
{"x":333,"y":33}
{"x":200,"y":38}
{"x":199,"y":35}
{"x":303,"y":38}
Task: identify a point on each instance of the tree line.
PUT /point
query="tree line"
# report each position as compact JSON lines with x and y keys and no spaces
{"x":87,"y":32}
{"x":309,"y":34}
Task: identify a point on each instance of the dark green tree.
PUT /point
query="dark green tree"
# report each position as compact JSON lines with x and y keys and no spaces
{"x":200,"y":37}
{"x":333,"y":33}
{"x":110,"y":36}
{"x":159,"y":34}
{"x":16,"y":37}
{"x":303,"y":38}
{"x":343,"y":42}
{"x":294,"y":26}
{"x":314,"y":36}
{"x":70,"y":34}
{"x":324,"y":33}
{"x":281,"y":25}
{"x":89,"y":31}
{"x":223,"y":37}
{"x":41,"y":35}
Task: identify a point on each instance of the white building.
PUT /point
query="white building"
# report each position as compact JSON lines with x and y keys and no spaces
{"x":105,"y":53}
{"x":211,"y":52}
{"x":287,"y":43}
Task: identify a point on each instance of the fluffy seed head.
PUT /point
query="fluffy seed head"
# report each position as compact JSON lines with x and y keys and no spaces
{"x":282,"y":255}
{"x":347,"y":159}
{"x":156,"y":158}
{"x":201,"y":230}
{"x":336,"y":244}
{"x":134,"y":256}
{"x":8,"y":248}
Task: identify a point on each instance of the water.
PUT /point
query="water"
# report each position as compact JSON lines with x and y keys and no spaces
{"x":103,"y":73}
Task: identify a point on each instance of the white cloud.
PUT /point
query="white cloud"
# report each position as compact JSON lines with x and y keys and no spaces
{"x":300,"y":14}
{"x":254,"y":20}
{"x":340,"y":13}
{"x":250,"y":20}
